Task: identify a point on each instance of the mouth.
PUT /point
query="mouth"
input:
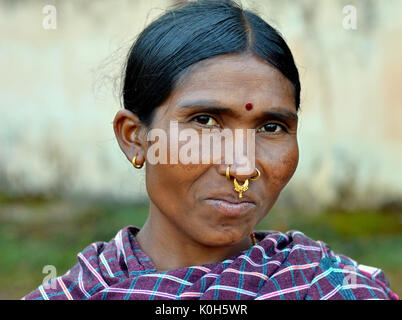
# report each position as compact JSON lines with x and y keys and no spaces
{"x":230,"y":206}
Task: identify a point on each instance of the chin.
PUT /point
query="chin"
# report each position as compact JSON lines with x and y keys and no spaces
{"x":223,"y":238}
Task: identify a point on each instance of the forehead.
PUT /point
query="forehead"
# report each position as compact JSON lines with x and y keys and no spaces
{"x":235,"y":80}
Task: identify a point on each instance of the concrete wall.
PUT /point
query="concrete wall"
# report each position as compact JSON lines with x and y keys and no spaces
{"x":58,"y":101}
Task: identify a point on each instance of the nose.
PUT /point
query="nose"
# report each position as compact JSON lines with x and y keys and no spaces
{"x":242,"y":166}
{"x":241,"y":173}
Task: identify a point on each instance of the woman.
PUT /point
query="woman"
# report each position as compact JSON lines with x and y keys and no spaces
{"x":211,"y":65}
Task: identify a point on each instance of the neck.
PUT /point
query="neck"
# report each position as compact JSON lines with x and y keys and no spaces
{"x":171,"y":249}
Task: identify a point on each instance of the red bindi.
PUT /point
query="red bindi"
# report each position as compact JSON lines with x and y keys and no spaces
{"x":249,"y":106}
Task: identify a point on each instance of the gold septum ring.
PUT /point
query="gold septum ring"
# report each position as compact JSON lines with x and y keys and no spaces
{"x":244,"y":187}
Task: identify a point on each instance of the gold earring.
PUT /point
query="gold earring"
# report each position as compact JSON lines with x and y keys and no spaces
{"x":240,"y":188}
{"x":258,"y":175}
{"x":137,"y":166}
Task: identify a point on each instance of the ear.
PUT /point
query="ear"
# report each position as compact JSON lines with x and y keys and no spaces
{"x":130,"y":135}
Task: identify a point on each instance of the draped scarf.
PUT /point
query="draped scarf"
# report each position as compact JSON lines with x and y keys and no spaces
{"x":280,"y":266}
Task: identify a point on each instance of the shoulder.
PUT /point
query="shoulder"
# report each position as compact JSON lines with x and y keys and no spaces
{"x":330,"y":275}
{"x":98,"y":265}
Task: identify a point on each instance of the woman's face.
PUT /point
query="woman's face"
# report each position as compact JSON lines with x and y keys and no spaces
{"x":190,"y":199}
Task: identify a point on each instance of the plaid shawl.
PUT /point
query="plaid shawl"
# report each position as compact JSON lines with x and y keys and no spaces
{"x":281,"y":266}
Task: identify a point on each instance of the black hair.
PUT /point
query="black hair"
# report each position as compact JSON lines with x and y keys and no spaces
{"x":191,"y":32}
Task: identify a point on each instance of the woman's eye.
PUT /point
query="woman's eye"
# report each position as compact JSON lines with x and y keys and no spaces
{"x":205,"y":120}
{"x":272,"y":128}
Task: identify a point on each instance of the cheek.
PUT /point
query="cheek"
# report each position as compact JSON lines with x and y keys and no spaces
{"x":280,"y":165}
{"x":165,"y":189}
{"x":171,"y":186}
{"x":168,"y":181}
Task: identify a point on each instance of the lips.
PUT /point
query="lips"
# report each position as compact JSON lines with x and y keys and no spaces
{"x":229,"y":197}
{"x":230,"y":206}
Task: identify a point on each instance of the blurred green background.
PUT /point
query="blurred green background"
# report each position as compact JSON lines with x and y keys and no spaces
{"x":38,"y":231}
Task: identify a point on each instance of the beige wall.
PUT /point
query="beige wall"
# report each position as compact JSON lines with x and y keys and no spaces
{"x":57,"y":101}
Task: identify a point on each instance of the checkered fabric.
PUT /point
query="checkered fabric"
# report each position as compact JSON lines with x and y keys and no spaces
{"x":280,"y":266}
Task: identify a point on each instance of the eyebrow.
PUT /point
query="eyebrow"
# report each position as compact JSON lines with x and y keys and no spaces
{"x":279,"y":114}
{"x":213,"y":106}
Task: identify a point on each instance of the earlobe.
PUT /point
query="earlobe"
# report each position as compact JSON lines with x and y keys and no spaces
{"x":127,"y":128}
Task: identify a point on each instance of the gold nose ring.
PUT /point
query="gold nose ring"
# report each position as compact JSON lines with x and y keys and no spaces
{"x":255,"y":178}
{"x":228,"y":172}
{"x":244,"y":187}
{"x":258,"y":175}
{"x":240,"y":188}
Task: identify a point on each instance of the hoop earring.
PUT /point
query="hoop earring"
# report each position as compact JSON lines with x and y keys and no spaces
{"x":137,"y":166}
